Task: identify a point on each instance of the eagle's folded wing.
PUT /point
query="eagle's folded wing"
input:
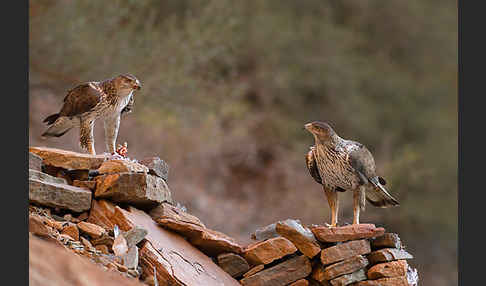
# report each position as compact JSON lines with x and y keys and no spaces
{"x":311,"y":163}
{"x":81,"y":99}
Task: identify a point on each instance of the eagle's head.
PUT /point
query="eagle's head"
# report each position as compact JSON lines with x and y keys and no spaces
{"x":126,"y":82}
{"x":321,"y":130}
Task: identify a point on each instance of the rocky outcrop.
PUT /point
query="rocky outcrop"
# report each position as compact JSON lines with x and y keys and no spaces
{"x":118,"y":215}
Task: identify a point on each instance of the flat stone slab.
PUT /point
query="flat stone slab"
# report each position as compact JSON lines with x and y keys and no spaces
{"x":233,"y":264}
{"x":388,"y":254}
{"x":121,"y":166}
{"x":67,"y":159}
{"x":40,"y":176}
{"x":300,"y":282}
{"x":59,"y":195}
{"x":265,"y":252}
{"x":207,"y":240}
{"x":265,"y":232}
{"x":283,"y":273}
{"x":344,"y":251}
{"x":176,"y":261}
{"x":138,"y":189}
{"x":347,"y":266}
{"x":395,"y":281}
{"x":166,"y":211}
{"x":101,"y":213}
{"x":387,"y":270}
{"x":387,"y":240}
{"x":157,"y":167}
{"x":346,"y":233}
{"x":35,"y":162}
{"x":347,"y":279}
{"x":300,"y":236}
{"x":254,"y":270}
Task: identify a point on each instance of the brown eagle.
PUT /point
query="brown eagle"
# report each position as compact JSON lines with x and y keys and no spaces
{"x":341,"y":165}
{"x":89,"y":101}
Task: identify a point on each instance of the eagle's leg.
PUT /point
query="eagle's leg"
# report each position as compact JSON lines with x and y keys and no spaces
{"x":358,"y":203}
{"x":112,"y":124}
{"x":86,"y":138}
{"x":333,"y":200}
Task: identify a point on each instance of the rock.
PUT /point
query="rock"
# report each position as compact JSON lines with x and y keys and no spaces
{"x":66,"y":268}
{"x":59,"y":195}
{"x":105,"y":239}
{"x":121,"y":166}
{"x":79,"y":175}
{"x":207,"y":240}
{"x":300,"y":236}
{"x":37,"y":226}
{"x":89,"y":185}
{"x":43,"y":177}
{"x":395,"y":281}
{"x":254,"y":270}
{"x":72,"y":230}
{"x":130,"y":259}
{"x":138,"y":189}
{"x":265,"y":232}
{"x":388,"y":254}
{"x":264,"y":252}
{"x":119,"y":218}
{"x":301,"y":282}
{"x":157,"y":167}
{"x":233,"y":264}
{"x":103,"y":248}
{"x":344,"y":251}
{"x":120,"y":246}
{"x":388,"y":240}
{"x":90,"y":229}
{"x":54,"y":223}
{"x":346,"y":233}
{"x":35,"y":162}
{"x":67,"y":159}
{"x":389,"y":269}
{"x":177,"y":262}
{"x":283,"y":273}
{"x":347,"y":279}
{"x":134,"y":235}
{"x":86,"y":243}
{"x":347,"y":266}
{"x":83,"y":216}
{"x":166,"y":211}
{"x":101,"y":213}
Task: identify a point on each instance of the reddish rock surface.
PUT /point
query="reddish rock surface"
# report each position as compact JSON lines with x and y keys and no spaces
{"x":121,"y":166}
{"x":395,"y":281}
{"x":72,"y":230}
{"x":388,"y":254}
{"x":138,"y":189}
{"x":37,"y":226}
{"x":300,"y":236}
{"x":65,"y":268}
{"x":347,"y":266}
{"x":283,"y":273}
{"x":346,"y":233}
{"x":233,"y":264}
{"x":175,"y":259}
{"x":90,"y":185}
{"x":344,"y":251}
{"x":301,"y":282}
{"x":269,"y":250}
{"x":389,"y":269}
{"x":101,"y":213}
{"x":388,"y":240}
{"x":165,"y":211}
{"x":93,"y":230}
{"x":67,"y":159}
{"x":254,"y":270}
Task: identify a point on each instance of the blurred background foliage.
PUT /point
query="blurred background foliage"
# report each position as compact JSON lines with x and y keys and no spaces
{"x":228,"y":86}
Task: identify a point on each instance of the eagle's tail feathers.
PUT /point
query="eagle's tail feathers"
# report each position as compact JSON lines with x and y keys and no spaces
{"x":379,"y":196}
{"x":51,"y":118}
{"x":59,"y":127}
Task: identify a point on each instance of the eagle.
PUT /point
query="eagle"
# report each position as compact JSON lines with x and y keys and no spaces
{"x":89,"y":101}
{"x":341,"y":165}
